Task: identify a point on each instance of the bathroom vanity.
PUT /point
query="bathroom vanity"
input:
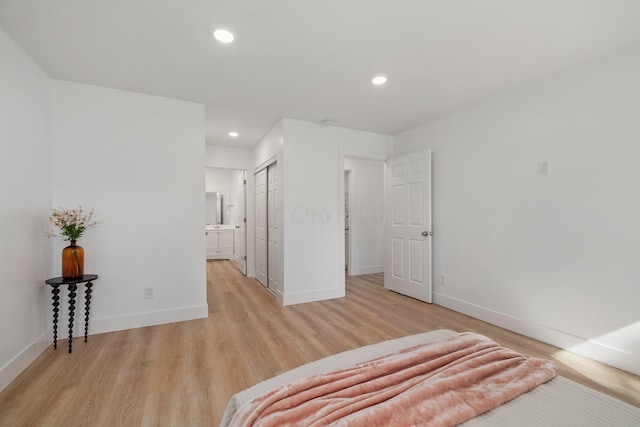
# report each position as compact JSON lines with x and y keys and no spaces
{"x":219,"y":241}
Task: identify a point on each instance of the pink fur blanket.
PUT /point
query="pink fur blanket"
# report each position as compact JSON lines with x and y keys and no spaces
{"x":439,"y":383}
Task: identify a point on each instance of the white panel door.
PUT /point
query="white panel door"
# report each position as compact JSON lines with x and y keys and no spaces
{"x":347,"y":222}
{"x":273,"y":233}
{"x":260,"y":225}
{"x":408,"y":230}
{"x":240,"y":220}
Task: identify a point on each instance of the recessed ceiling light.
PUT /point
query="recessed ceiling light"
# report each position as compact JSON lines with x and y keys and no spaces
{"x":379,"y":79}
{"x":233,"y":134}
{"x":224,"y":35}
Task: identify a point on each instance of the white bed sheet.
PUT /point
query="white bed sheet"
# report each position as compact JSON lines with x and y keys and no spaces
{"x":560,"y":402}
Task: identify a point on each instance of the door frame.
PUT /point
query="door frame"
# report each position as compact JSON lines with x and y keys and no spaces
{"x":355,"y":154}
{"x":247,"y":212}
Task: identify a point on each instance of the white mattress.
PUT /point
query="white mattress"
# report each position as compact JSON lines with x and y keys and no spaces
{"x":560,"y":402}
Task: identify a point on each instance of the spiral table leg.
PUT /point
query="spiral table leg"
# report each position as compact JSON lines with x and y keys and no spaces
{"x":87,"y":306}
{"x":55,"y":290}
{"x":72,"y":308}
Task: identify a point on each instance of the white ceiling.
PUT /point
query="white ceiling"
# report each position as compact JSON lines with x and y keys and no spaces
{"x":312,"y":59}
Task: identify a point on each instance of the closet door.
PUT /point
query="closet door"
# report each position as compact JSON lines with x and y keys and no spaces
{"x":260,"y":225}
{"x":273,"y":232}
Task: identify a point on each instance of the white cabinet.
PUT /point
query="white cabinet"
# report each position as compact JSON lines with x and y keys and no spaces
{"x":219,"y":244}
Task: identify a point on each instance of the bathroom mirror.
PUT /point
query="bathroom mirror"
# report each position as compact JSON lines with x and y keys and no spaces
{"x":215,"y":208}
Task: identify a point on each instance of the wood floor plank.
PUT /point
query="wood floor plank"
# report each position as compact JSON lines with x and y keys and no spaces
{"x":184,"y":373}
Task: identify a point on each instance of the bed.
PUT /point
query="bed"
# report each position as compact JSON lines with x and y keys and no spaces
{"x":559,"y":402}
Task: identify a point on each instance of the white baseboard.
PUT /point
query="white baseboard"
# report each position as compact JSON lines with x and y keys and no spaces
{"x":279,"y":296}
{"x":140,"y":320}
{"x":356,"y":271}
{"x":566,"y":341}
{"x":19,"y":363}
{"x":319,"y":295}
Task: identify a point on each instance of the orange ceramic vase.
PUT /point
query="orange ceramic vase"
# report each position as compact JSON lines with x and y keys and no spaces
{"x":72,"y":261}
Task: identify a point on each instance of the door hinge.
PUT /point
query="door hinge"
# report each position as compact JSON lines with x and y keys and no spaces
{"x":245,"y":182}
{"x":245,"y":220}
{"x":245,"y":257}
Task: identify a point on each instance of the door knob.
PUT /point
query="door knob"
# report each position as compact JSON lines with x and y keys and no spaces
{"x":426,"y":233}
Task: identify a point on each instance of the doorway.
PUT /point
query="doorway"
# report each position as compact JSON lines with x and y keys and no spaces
{"x":364,"y":216}
{"x":407,"y":259}
{"x":225,"y":213}
{"x":346,"y":183}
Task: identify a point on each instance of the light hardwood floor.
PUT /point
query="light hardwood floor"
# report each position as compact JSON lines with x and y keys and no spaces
{"x":183,"y":374}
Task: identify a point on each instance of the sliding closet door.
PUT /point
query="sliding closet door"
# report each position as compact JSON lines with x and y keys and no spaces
{"x":260,"y":225}
{"x":273,"y":232}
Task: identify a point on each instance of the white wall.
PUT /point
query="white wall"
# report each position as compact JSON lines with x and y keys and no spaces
{"x":313,"y":206}
{"x":217,"y":179}
{"x":139,"y":161}
{"x":228,"y":157}
{"x":366,"y":200}
{"x":270,"y":147}
{"x":556,"y":256}
{"x":25,"y":186}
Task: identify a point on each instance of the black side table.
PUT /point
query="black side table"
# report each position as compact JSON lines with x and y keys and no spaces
{"x":55,"y":284}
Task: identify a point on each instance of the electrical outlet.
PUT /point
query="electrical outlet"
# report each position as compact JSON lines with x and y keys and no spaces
{"x":148,"y":293}
{"x":443,"y":280}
